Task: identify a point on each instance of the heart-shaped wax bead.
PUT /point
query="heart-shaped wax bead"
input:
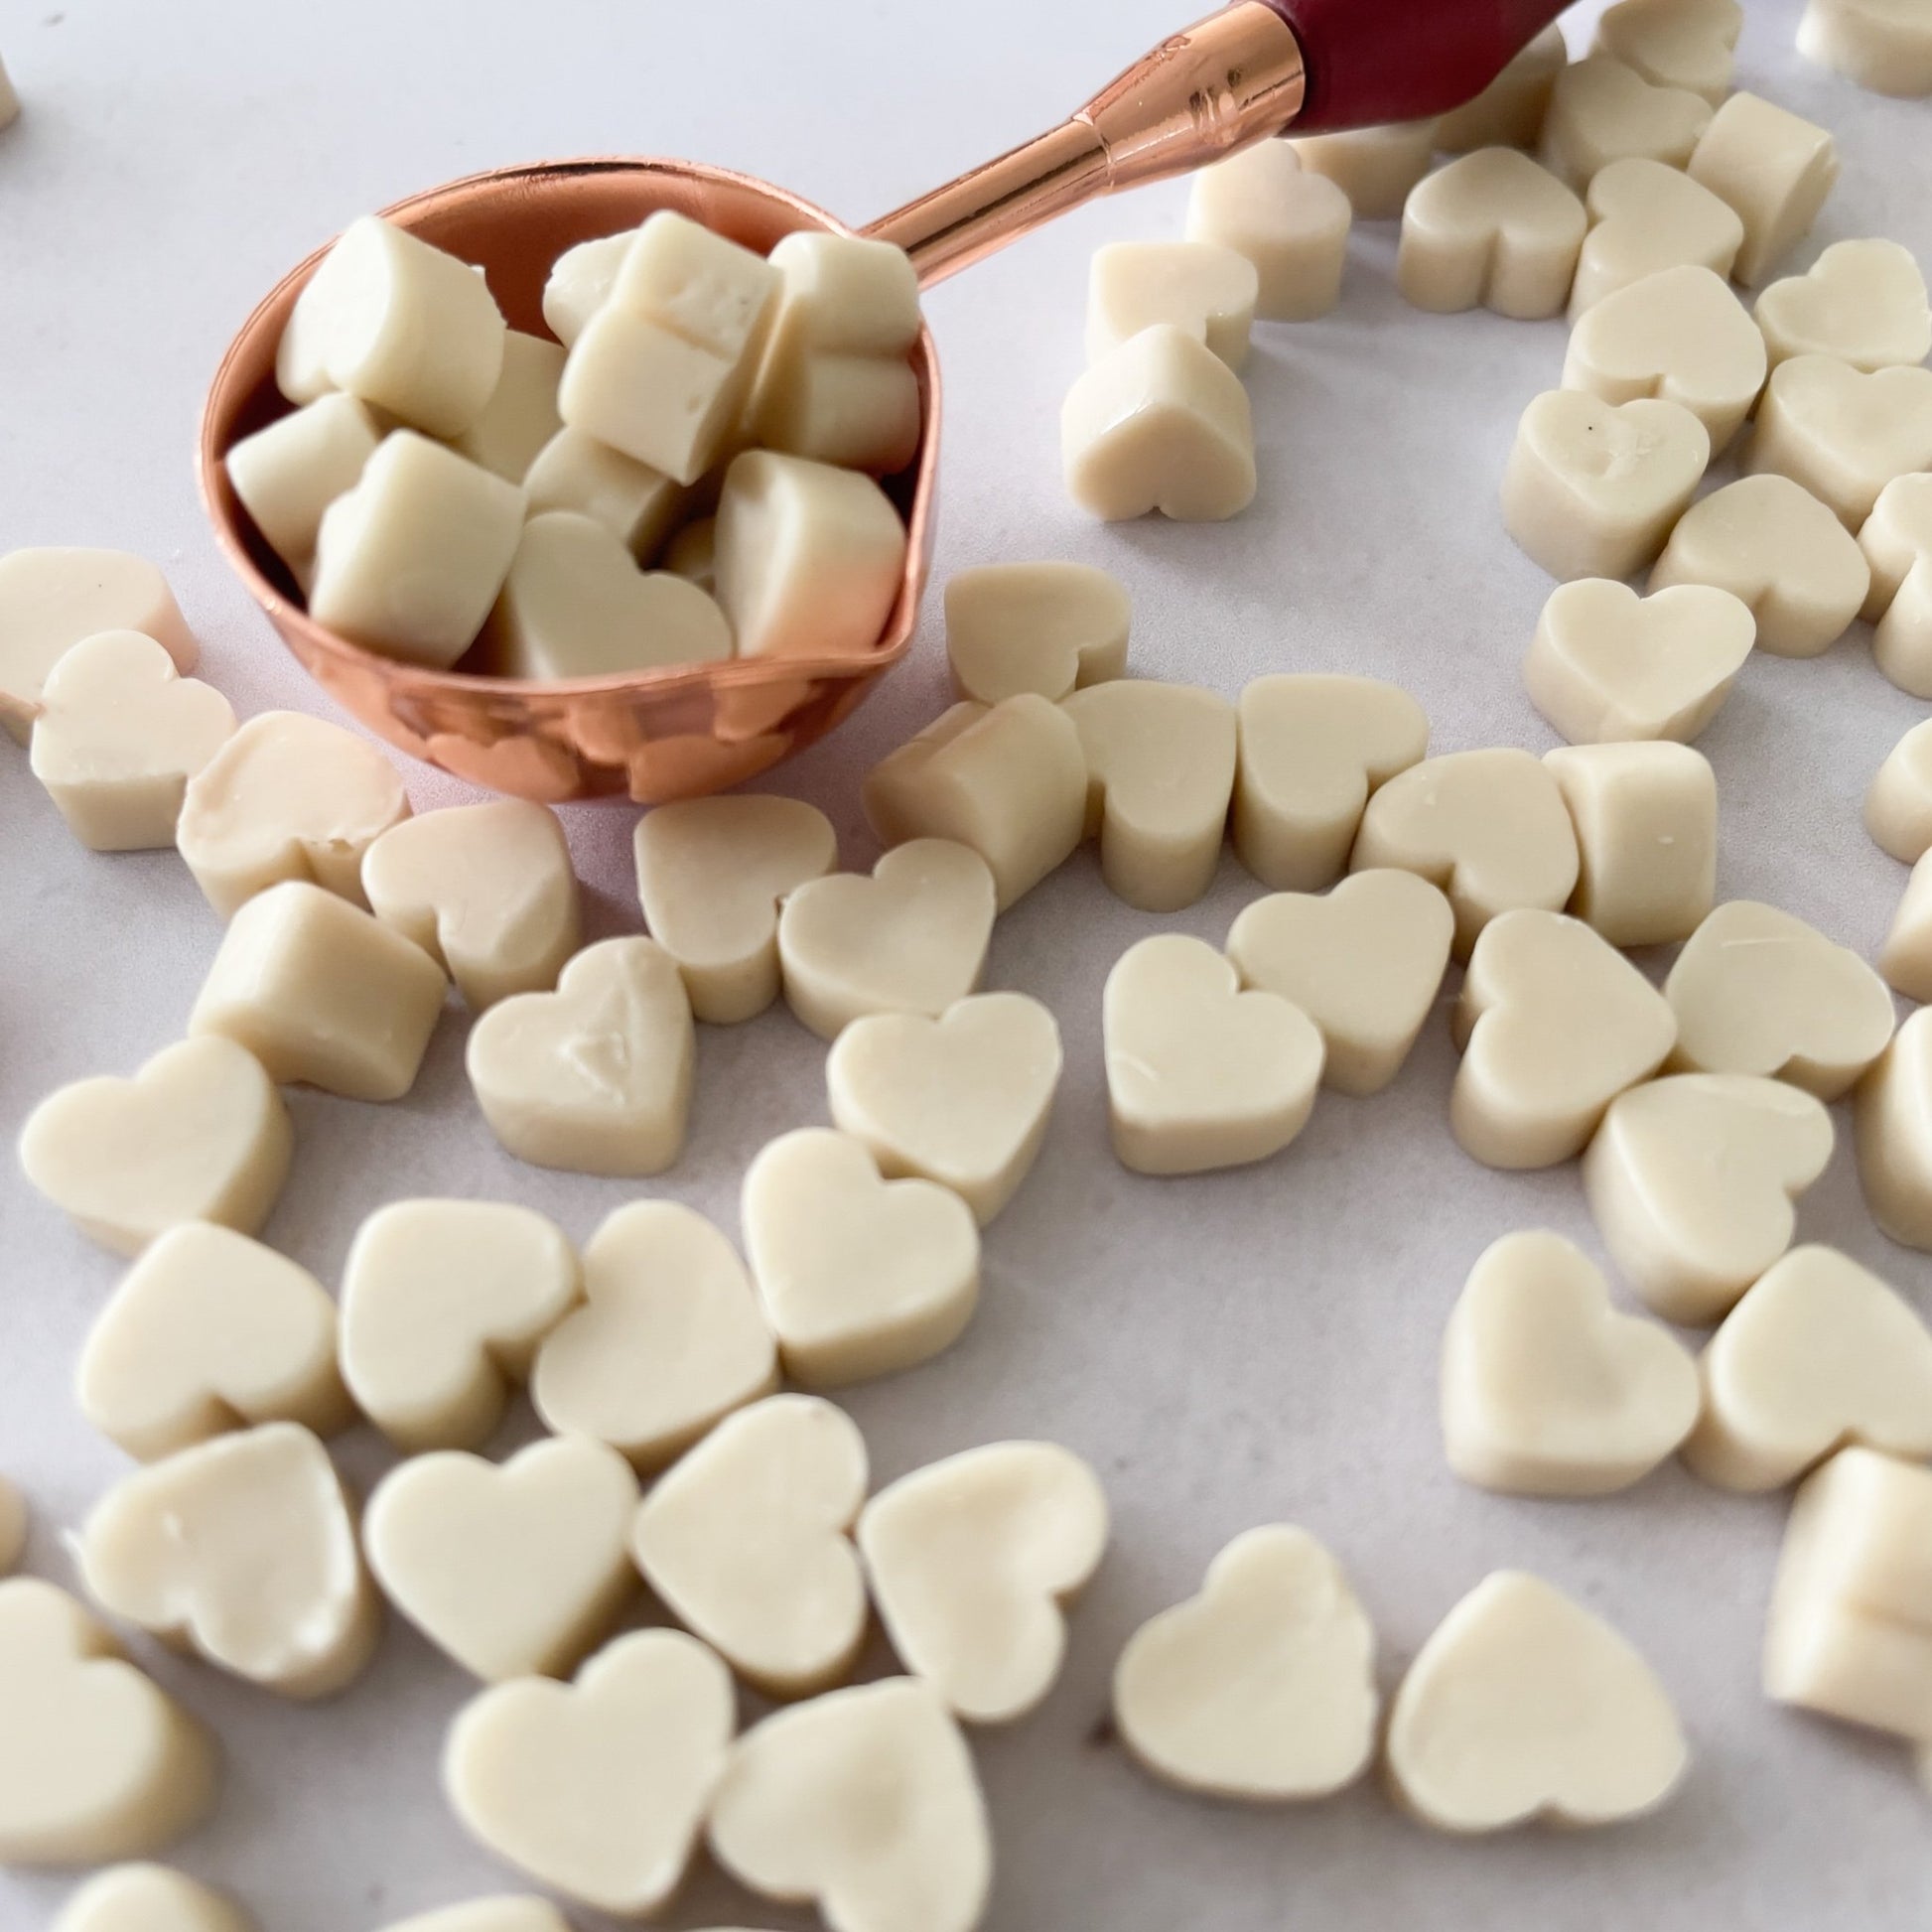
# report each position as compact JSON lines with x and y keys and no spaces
{"x":1489,"y":828}
{"x":1289,"y":222}
{"x":1521,"y":1706}
{"x":200,"y":1134}
{"x":864,"y":1802}
{"x":1693,"y":1179}
{"x":506,"y":1912}
{"x":243,"y":1549}
{"x":148,"y":1898}
{"x":513,"y":1571}
{"x":1819,"y":1353}
{"x":669,"y":1338}
{"x":1896,"y":543}
{"x":1312,"y":748}
{"x":972,"y":1562}
{"x":95,"y":1762}
{"x":1261,"y":1688}
{"x":597,"y":1788}
{"x":211,"y":1331}
{"x":747,"y":1540}
{"x":1756,"y":991}
{"x":859,"y":1276}
{"x":444,"y":1306}
{"x":1200,"y":1074}
{"x":1842,"y":433}
{"x":912,"y":938}
{"x":1898,"y":805}
{"x":1645,"y":216}
{"x":1364,"y":963}
{"x":963,"y":1099}
{"x":119,"y":734}
{"x":1894,"y":1130}
{"x":1863,"y":302}
{"x":1772,"y":166}
{"x":1492,"y":229}
{"x":711,"y":874}
{"x":595,"y":1078}
{"x":288,"y":797}
{"x":1160,"y":423}
{"x":1200,"y":285}
{"x":1601,"y":110}
{"x":1690,"y":44}
{"x":1044,"y":629}
{"x":487,"y":891}
{"x":1548,"y":1391}
{"x":1884,"y":46}
{"x":1554,"y":1024}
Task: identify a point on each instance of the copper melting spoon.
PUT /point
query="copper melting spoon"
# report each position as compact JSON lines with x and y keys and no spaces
{"x":1249,"y":71}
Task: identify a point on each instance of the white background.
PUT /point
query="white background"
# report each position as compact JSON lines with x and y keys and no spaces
{"x":1226,"y":1350}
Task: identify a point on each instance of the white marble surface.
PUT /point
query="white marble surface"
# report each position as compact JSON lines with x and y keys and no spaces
{"x":1226,"y":1350}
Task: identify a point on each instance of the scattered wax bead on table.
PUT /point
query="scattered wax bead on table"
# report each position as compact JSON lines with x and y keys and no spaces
{"x":1896,"y":541}
{"x":1894,"y":1130}
{"x":1603,"y":111}
{"x":1863,"y":302}
{"x":1041,"y":627}
{"x":1290,"y":223}
{"x":1898,"y":803}
{"x":974,"y":1561}
{"x":1644,"y":216}
{"x":1492,"y":229}
{"x":1521,"y":1706}
{"x":506,"y":1912}
{"x":1883,"y":45}
{"x":1200,"y":285}
{"x":1842,"y":433}
{"x":1688,"y":44}
{"x":1692,"y":1181}
{"x":200,"y":1134}
{"x":148,"y":1898}
{"x":1546,"y":1389}
{"x":1375,"y":167}
{"x":1905,"y":959}
{"x":1262,"y":1688}
{"x":1774,"y":168}
{"x":1817,"y":1353}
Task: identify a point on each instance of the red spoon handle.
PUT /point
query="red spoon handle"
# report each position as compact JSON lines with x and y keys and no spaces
{"x":1376,"y":61}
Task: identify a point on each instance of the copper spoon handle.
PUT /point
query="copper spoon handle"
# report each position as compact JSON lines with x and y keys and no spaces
{"x":1233,"y":79}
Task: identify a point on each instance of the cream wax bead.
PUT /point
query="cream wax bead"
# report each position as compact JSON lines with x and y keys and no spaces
{"x":444,"y":1306}
{"x":1521,"y":1706}
{"x":120,"y":734}
{"x":1818,"y":1353}
{"x":288,"y":473}
{"x":1312,"y":748}
{"x":200,"y":1134}
{"x":595,"y":1078}
{"x":1262,"y":1688}
{"x":1289,"y":222}
{"x":506,"y":1912}
{"x":711,"y":874}
{"x":241,"y":1551}
{"x":1490,"y":228}
{"x":1849,"y":1633}
{"x":836,"y":386}
{"x":1775,"y":169}
{"x":1756,"y":991}
{"x":693,"y":553}
{"x":1863,"y":302}
{"x":1644,"y":216}
{"x":398,"y":323}
{"x":580,"y":282}
{"x":1509,"y":112}
{"x":1047,"y":627}
{"x":1161,"y":423}
{"x":573,"y":603}
{"x":1894,"y":1101}
{"x":208,"y":1332}
{"x":50,"y":600}
{"x":1692,"y":1181}
{"x":148,"y":1898}
{"x":1375,"y":167}
{"x":1772,"y":544}
{"x":1689,"y":44}
{"x":1897,"y":540}
{"x":1009,"y":780}
{"x":1548,"y":1390}
{"x":1554,"y":1022}
{"x":809,"y":558}
{"x":520,"y":417}
{"x":322,"y":994}
{"x":1200,"y":285}
{"x":1646,"y":820}
{"x":1592,"y":488}
{"x":409,"y":561}
{"x":1898,"y":805}
{"x":973,"y":1563}
{"x":14,"y":1524}
{"x":1605,"y":666}
{"x":1680,"y":335}
{"x":487,"y":891}
{"x":96,"y":1761}
{"x":287,"y":797}
{"x":664,"y":365}
{"x":1489,"y":828}
{"x":1603,"y":111}
{"x":1883,"y":45}
{"x":635,"y":502}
